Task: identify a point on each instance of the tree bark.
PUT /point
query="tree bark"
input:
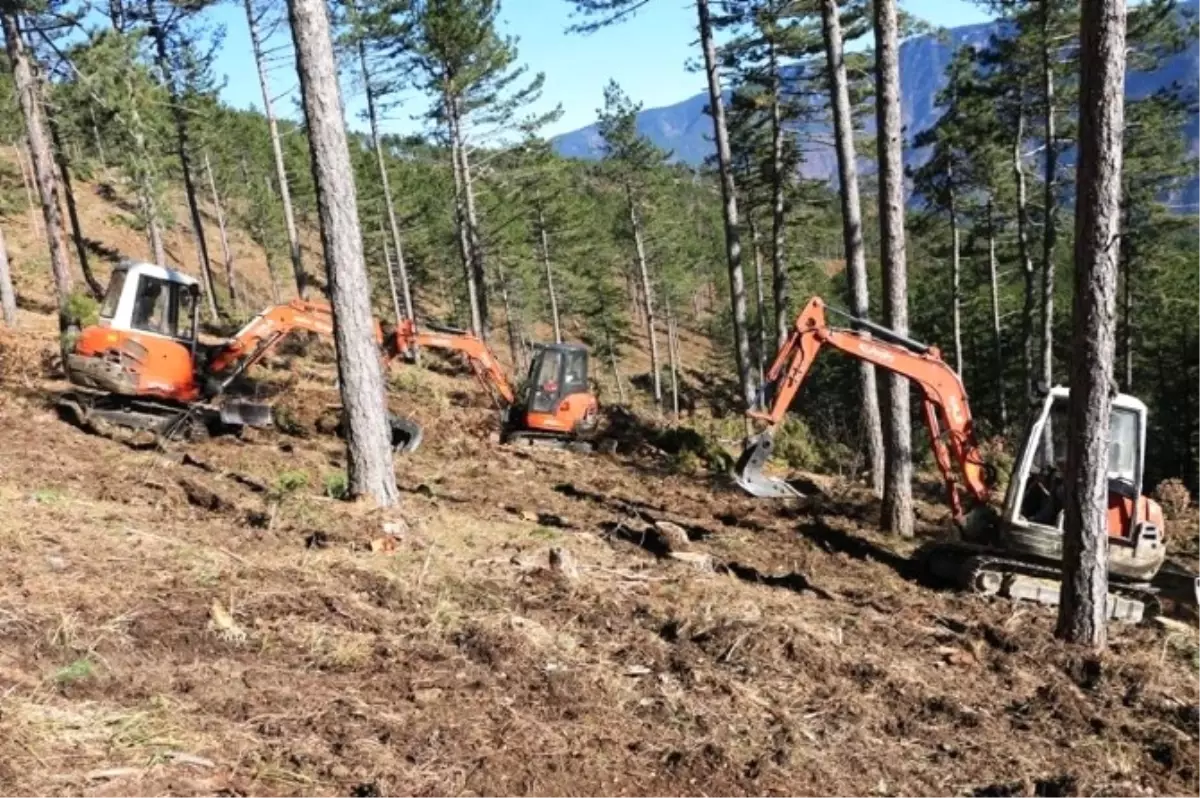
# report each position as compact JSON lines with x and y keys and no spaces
{"x":1027,"y":272}
{"x":29,"y":95}
{"x":360,"y":372}
{"x":761,"y":319}
{"x":733,"y":243}
{"x":647,"y":296}
{"x":33,"y":209}
{"x":955,"y":275}
{"x":783,"y":322}
{"x":397,"y":311}
{"x":672,"y":353}
{"x":897,"y":515}
{"x":230,"y":282}
{"x":463,"y":237}
{"x":997,"y":336}
{"x":512,"y":323}
{"x":143,"y":177}
{"x":285,"y":194}
{"x":8,"y":297}
{"x":471,"y":218}
{"x":1126,"y":257}
{"x":158,"y":250}
{"x":394,"y":225}
{"x":545,"y":245}
{"x":1082,"y":611}
{"x":183,"y":149}
{"x":1049,"y":201}
{"x":852,"y":231}
{"x":63,"y":161}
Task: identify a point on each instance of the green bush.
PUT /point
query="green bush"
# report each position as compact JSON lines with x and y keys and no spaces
{"x":692,"y":452}
{"x":796,"y":446}
{"x":337,"y":485}
{"x":291,"y":481}
{"x":81,"y":309}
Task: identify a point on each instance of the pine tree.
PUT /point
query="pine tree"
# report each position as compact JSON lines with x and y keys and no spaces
{"x":1083,"y":609}
{"x":360,"y":372}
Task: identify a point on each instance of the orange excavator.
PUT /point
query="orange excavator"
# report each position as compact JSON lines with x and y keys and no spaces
{"x":554,"y":406}
{"x":1016,"y":553}
{"x":142,"y":366}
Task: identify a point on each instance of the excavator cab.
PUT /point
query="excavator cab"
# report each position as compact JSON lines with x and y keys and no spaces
{"x":144,"y":342}
{"x":555,"y":399}
{"x":1032,"y":520}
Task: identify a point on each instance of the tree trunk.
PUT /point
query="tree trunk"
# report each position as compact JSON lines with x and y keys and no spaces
{"x":1049,"y":200}
{"x":64,"y":170}
{"x":96,"y":138}
{"x":158,"y":250}
{"x":360,"y":372}
{"x":733,"y":243}
{"x":397,"y":311}
{"x":672,"y":354}
{"x":541,"y":222}
{"x":29,"y":95}
{"x":647,"y":296}
{"x":33,"y":209}
{"x":955,"y":276}
{"x":478,"y":268}
{"x":852,"y":231}
{"x":182,"y":146}
{"x":143,"y":177}
{"x":511,"y":322}
{"x":464,"y":241}
{"x":997,"y":336}
{"x":225,"y":251}
{"x":285,"y":194}
{"x":1083,"y":609}
{"x":1126,"y":258}
{"x":783,"y":322}
{"x":897,"y":490}
{"x":394,"y":225}
{"x":1027,"y":272}
{"x":761,"y":353}
{"x":8,"y":297}
{"x":612,"y":363}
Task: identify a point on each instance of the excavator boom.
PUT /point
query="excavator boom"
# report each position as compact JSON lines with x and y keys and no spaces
{"x":944,"y":401}
{"x":483,"y":362}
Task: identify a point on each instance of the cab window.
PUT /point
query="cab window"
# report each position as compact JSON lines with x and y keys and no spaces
{"x":547,"y":373}
{"x":150,"y":308}
{"x":575,"y":379}
{"x":185,"y":316}
{"x":113,"y":298}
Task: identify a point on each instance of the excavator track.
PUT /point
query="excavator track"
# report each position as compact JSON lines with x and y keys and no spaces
{"x":987,"y":571}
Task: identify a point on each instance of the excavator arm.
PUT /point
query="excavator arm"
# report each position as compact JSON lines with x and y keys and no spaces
{"x":944,"y":400}
{"x":268,"y":328}
{"x":407,"y":338}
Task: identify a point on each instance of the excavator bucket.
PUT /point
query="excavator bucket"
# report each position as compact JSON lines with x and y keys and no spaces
{"x":406,"y":434}
{"x":748,"y":471}
{"x":238,"y":413}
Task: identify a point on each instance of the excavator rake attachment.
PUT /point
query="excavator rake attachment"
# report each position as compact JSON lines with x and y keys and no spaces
{"x":406,"y":434}
{"x":748,"y":471}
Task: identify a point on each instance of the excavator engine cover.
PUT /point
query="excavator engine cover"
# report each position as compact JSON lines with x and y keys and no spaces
{"x":748,"y":471}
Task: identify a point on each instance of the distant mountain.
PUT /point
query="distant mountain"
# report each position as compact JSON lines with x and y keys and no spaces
{"x":686,"y":131}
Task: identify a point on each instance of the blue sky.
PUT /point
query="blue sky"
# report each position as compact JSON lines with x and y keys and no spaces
{"x":648,"y":55}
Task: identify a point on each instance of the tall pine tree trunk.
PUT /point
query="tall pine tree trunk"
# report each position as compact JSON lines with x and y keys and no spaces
{"x":285,"y":193}
{"x":1049,"y":201}
{"x":955,"y":276}
{"x":478,"y":268}
{"x":360,"y":372}
{"x":733,"y":243}
{"x":1027,"y":271}
{"x":897,"y":490}
{"x":397,"y":310}
{"x":1126,"y":263}
{"x":672,"y":353}
{"x":997,"y":336}
{"x":183,"y":149}
{"x":33,"y":209}
{"x":761,"y":309}
{"x":29,"y":96}
{"x":1083,"y":609}
{"x":852,"y":230}
{"x":394,"y":225}
{"x":8,"y":297}
{"x":647,"y":295}
{"x":516,"y":339}
{"x":545,"y":253}
{"x":783,"y":322}
{"x":230,"y":280}
{"x":462,"y":236}
{"x":143,"y":177}
{"x":63,"y":160}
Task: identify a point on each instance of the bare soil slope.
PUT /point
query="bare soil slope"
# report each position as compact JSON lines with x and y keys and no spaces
{"x":216,"y":624}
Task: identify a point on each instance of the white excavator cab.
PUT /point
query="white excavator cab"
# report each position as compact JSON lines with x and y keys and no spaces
{"x":1033,"y":513}
{"x":153,"y":300}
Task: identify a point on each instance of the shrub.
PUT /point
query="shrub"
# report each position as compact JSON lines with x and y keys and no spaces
{"x":1174,"y":497}
{"x":337,"y":485}
{"x":291,"y":481}
{"x":81,"y":309}
{"x":795,"y":446}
